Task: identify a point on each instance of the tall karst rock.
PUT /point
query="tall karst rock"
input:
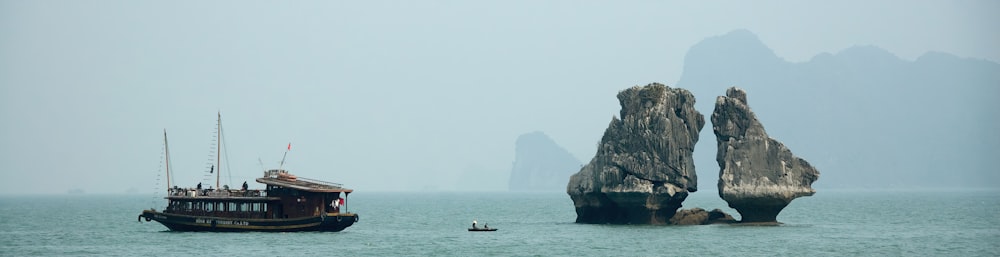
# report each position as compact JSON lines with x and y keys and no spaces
{"x":758,"y":175}
{"x":643,"y":168}
{"x":540,"y":164}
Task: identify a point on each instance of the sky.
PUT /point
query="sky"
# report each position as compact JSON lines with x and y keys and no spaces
{"x":378,"y":95}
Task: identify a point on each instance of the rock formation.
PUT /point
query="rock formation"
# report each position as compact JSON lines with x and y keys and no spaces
{"x":540,"y":164}
{"x":758,"y":175}
{"x":643,"y":168}
{"x":699,"y":216}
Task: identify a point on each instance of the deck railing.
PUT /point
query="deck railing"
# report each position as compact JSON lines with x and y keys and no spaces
{"x":194,"y":192}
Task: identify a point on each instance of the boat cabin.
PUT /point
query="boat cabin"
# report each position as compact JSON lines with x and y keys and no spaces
{"x":286,"y":196}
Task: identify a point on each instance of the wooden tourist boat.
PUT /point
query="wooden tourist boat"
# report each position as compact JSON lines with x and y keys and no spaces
{"x":289,"y":203}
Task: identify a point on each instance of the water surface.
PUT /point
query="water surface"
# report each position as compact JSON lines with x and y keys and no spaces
{"x":834,"y":223}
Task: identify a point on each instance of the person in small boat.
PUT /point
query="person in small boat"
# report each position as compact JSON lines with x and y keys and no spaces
{"x":487,"y":226}
{"x":474,"y":224}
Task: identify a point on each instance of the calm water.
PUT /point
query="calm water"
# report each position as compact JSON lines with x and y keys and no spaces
{"x":831,"y":223}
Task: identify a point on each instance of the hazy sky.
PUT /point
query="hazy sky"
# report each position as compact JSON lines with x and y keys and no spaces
{"x":380,"y":95}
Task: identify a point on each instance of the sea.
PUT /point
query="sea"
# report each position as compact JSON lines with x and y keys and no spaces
{"x":830,"y":223}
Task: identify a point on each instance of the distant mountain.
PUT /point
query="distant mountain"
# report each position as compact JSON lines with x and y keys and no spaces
{"x":863,"y":116}
{"x":540,"y":164}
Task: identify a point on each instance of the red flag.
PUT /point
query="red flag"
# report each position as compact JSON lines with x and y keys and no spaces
{"x":289,"y":146}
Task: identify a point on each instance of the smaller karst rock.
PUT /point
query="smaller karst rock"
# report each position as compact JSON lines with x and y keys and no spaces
{"x":758,"y":175}
{"x":699,"y":216}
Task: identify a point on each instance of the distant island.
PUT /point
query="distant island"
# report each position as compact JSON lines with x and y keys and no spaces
{"x":540,"y":164}
{"x":861,"y":112}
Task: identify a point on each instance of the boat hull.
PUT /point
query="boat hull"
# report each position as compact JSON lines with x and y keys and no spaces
{"x":329,"y":223}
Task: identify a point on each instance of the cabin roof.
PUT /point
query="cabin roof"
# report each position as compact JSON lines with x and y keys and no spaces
{"x":304,"y":184}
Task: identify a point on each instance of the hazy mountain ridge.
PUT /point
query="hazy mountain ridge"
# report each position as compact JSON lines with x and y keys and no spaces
{"x":540,"y":164}
{"x":863,"y":116}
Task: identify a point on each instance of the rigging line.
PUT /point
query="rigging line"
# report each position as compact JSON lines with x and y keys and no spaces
{"x":152,"y":201}
{"x":206,"y":177}
{"x":159,"y":172}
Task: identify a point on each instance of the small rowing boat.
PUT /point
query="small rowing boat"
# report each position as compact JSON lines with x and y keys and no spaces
{"x":485,"y":228}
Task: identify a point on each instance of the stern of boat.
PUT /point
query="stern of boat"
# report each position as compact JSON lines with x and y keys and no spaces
{"x":333,"y":221}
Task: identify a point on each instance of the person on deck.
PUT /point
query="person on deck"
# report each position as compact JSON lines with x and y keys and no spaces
{"x":244,"y":186}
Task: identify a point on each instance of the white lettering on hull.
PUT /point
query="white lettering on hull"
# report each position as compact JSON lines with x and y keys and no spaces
{"x":222,"y":222}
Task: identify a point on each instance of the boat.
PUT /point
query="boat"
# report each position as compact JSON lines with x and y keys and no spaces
{"x":485,"y":228}
{"x":288,"y":203}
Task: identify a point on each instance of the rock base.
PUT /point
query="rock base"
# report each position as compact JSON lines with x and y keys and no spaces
{"x":626,"y":208}
{"x":752,"y":213}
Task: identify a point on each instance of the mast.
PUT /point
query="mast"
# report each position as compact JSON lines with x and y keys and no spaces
{"x":285,"y":155}
{"x":218,"y":149}
{"x":167,"y":149}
